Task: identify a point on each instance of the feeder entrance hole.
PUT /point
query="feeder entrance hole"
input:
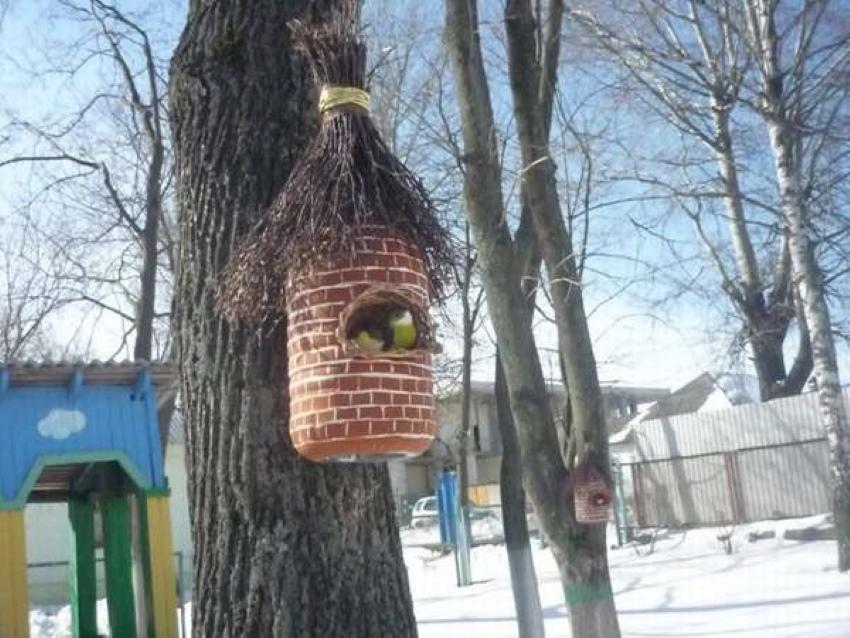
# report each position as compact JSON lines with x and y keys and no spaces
{"x":382,"y":322}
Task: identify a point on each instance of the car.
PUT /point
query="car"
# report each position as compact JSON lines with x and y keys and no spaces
{"x":424,"y":512}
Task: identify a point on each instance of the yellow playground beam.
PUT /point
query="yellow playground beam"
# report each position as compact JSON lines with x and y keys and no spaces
{"x":14,"y":605}
{"x":161,"y":556}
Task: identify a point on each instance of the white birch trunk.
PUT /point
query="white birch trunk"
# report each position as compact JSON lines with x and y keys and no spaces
{"x":810,"y":286}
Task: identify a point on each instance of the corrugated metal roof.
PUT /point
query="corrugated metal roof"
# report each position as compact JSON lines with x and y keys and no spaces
{"x":36,"y":373}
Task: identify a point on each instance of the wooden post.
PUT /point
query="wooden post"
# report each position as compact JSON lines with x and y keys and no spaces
{"x":640,"y":512}
{"x":733,"y":486}
{"x":14,"y":606}
{"x":82,"y":578}
{"x":118,"y":556}
{"x":162,"y":586}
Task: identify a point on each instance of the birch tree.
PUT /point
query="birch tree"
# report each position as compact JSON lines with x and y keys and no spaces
{"x":688,"y":64}
{"x":802,"y":64}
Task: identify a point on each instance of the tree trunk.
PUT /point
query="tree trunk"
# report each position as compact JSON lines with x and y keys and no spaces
{"x":783,"y":135}
{"x":585,"y":565}
{"x":766,"y":318}
{"x":579,"y":550}
{"x":514,"y":522}
{"x":810,"y":285}
{"x":466,"y":399}
{"x":146,"y":307}
{"x":283,"y":547}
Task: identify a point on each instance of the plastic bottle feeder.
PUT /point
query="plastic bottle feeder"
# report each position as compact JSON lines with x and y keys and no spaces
{"x":347,"y":404}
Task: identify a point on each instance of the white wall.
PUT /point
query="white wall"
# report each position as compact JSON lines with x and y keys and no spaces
{"x":48,"y":535}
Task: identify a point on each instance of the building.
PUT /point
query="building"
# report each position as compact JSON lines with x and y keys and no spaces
{"x":728,"y":465}
{"x":413,"y":478}
{"x":703,"y":393}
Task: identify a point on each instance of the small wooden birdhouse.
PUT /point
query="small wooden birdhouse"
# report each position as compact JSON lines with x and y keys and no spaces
{"x":350,"y":399}
{"x":591,"y":494}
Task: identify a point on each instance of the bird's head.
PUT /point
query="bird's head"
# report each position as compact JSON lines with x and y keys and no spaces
{"x":401,"y":317}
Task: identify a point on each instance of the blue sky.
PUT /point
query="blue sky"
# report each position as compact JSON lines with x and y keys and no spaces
{"x":636,"y":342}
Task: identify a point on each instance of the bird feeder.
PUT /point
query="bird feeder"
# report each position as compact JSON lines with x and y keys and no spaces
{"x":351,"y":252}
{"x":348,"y":402}
{"x":591,"y":494}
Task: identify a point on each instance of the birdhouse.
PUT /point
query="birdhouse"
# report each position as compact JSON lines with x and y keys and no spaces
{"x":591,"y":495}
{"x":359,"y":345}
{"x":350,"y":253}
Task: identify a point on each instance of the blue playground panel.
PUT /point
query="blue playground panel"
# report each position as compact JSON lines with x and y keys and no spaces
{"x":74,"y":422}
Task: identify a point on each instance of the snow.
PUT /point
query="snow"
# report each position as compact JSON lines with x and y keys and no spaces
{"x":487,"y":528}
{"x":51,"y":622}
{"x":685,"y":587}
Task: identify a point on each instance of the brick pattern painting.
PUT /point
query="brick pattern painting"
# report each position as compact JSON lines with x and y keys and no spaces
{"x":345,"y":404}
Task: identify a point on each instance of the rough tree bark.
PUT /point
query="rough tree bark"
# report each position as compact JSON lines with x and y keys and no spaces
{"x":579,"y":550}
{"x":283,"y":547}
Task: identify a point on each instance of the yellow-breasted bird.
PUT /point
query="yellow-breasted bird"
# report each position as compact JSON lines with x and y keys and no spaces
{"x":395,"y":331}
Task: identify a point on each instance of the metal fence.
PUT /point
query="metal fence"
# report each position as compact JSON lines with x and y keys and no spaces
{"x":750,"y":484}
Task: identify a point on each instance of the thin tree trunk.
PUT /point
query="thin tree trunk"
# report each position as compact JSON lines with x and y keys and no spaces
{"x":466,"y":395}
{"x":145,"y":309}
{"x":728,"y":170}
{"x":584,"y":568}
{"x":514,"y":521}
{"x":785,"y":142}
{"x":810,"y":285}
{"x":579,"y":550}
{"x":283,"y":547}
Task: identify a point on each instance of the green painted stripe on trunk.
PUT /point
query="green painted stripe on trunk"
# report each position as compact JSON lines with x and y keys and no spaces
{"x":118,"y":556}
{"x":579,"y":593}
{"x":82,"y":578}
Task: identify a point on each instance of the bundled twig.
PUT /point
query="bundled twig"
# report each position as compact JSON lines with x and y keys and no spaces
{"x":346,"y":180}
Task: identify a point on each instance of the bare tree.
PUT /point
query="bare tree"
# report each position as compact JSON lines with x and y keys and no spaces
{"x":802,"y":75}
{"x":103,"y":173}
{"x":29,"y":295}
{"x":471,"y":305}
{"x":689,"y":65}
{"x":579,"y":550}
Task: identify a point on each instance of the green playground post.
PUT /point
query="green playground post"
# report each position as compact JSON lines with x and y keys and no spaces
{"x":118,"y":556}
{"x":82,"y":578}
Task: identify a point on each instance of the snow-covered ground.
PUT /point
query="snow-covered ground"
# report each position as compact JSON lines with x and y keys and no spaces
{"x":687,"y":587}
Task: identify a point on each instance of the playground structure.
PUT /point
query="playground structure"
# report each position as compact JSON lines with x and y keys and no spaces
{"x":89,"y":436}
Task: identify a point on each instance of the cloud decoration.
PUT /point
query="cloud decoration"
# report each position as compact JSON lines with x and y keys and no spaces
{"x":60,"y":424}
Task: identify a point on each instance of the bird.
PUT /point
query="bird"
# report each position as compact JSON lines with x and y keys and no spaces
{"x":369,"y":342}
{"x":394,"y":331}
{"x":403,"y":330}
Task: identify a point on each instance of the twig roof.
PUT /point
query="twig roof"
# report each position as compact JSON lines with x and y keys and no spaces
{"x":346,"y":180}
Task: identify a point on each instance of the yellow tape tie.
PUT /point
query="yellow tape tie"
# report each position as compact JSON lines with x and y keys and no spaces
{"x":332,"y":97}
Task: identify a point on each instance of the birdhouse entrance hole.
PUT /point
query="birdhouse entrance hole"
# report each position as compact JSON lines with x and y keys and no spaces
{"x":382,"y":322}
